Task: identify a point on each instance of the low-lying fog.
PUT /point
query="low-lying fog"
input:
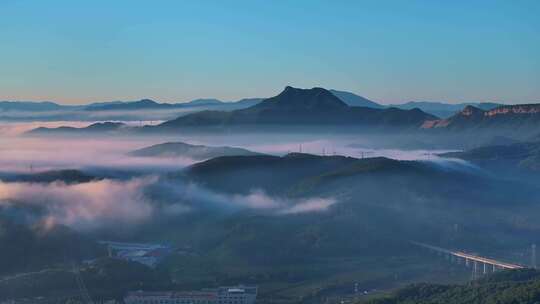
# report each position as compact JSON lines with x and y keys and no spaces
{"x":88,"y":205}
{"x":19,"y":152}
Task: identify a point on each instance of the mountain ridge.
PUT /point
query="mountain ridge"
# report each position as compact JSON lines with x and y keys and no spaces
{"x":295,"y":106}
{"x":520,"y":155}
{"x":506,"y":116}
{"x":355,"y":100}
{"x":99,"y":127}
{"x":443,"y":109}
{"x":198,"y":152}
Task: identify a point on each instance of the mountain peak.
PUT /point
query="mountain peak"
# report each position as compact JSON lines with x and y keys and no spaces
{"x":198,"y":152}
{"x":288,"y":88}
{"x":104,"y":126}
{"x":302,"y":107}
{"x":314,"y":98}
{"x":471,"y":111}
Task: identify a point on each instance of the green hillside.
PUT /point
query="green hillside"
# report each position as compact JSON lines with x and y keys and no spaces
{"x":517,"y":286}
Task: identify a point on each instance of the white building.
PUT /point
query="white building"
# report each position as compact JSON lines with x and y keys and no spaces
{"x":222,"y":295}
{"x":237,"y":295}
{"x":170,"y":297}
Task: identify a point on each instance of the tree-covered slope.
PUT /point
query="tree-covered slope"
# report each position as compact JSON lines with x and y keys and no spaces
{"x":181,"y":149}
{"x":509,"y":287}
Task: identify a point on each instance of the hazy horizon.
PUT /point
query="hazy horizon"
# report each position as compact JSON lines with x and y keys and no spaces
{"x":177,"y":101}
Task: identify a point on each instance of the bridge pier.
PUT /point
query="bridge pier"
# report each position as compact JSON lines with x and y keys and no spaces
{"x":456,"y":256}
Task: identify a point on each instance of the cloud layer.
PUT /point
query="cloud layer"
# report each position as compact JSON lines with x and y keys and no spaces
{"x":106,"y":203}
{"x":85,"y":206}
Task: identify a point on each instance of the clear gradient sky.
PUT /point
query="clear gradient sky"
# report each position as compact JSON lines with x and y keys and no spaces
{"x":389,"y":51}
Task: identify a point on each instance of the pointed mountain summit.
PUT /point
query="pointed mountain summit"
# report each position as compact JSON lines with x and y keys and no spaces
{"x":471,"y":111}
{"x":313,"y":107}
{"x":294,"y":106}
{"x":295,"y":98}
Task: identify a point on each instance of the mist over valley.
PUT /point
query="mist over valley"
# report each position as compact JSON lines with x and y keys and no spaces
{"x":335,"y":195}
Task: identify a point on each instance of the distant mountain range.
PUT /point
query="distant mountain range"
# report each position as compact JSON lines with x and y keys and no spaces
{"x":305,"y":107}
{"x":197,"y":152}
{"x":143,"y":104}
{"x":39,"y":106}
{"x":514,"y":117}
{"x":148,"y":104}
{"x":294,"y":106}
{"x":439,"y":109}
{"x":99,"y":127}
{"x":443,"y":110}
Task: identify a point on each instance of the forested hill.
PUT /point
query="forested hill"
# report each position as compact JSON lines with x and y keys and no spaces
{"x":516,"y":286}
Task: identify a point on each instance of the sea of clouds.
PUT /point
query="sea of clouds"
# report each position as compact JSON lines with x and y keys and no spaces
{"x":103,"y":202}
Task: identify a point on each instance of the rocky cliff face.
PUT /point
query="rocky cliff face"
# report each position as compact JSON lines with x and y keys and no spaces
{"x":515,"y":116}
{"x":514,"y":109}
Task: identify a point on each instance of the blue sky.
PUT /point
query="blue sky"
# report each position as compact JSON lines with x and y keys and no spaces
{"x":388,"y":51}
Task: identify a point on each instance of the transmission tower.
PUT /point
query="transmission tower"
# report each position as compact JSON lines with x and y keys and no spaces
{"x":533,"y":256}
{"x":82,"y":287}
